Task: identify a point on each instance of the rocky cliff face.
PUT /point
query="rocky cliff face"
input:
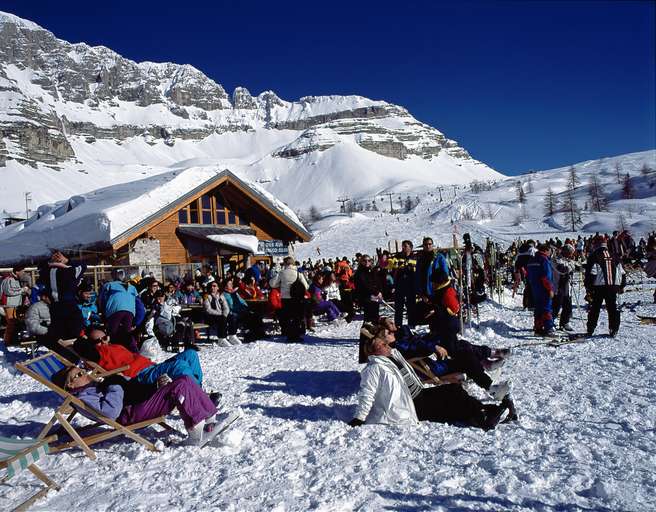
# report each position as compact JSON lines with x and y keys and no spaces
{"x":57,"y":92}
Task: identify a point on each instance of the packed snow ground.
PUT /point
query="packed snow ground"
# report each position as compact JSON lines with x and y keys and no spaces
{"x":586,"y":439}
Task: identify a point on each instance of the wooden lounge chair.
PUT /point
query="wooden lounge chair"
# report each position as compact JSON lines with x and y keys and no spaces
{"x":42,"y":369}
{"x":426,"y":374}
{"x":19,"y":454}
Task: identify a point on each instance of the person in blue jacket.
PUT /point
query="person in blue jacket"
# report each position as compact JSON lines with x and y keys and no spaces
{"x":117,"y":302}
{"x":540,"y":276}
{"x":429,"y":261}
{"x":87,"y":305}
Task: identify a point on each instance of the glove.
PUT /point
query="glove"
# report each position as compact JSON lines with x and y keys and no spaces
{"x":356,"y":422}
{"x":163,"y":381}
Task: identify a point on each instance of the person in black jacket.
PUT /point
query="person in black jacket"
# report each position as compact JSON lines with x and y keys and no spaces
{"x":403,"y":266}
{"x":368,"y":289}
{"x":604,"y":278}
{"x":61,"y":278}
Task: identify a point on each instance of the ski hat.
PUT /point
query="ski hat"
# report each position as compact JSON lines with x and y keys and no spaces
{"x":567,"y":249}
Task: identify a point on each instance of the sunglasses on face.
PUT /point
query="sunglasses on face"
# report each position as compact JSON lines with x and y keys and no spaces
{"x":102,"y":338}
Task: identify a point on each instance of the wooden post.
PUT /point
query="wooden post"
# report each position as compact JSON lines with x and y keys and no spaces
{"x":95,"y":277}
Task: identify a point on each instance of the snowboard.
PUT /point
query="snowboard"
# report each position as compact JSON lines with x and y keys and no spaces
{"x":647,"y":319}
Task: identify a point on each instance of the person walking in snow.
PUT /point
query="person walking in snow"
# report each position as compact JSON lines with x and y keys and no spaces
{"x":540,"y":276}
{"x":604,"y":279}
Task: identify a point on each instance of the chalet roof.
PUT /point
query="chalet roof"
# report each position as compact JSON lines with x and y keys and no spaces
{"x":109,"y":217}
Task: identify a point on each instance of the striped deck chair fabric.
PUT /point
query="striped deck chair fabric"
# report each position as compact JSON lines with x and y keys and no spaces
{"x":19,"y":454}
{"x":10,"y":446}
{"x":46,"y":367}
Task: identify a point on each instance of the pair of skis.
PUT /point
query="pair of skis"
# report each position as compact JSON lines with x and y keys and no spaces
{"x":647,"y":320}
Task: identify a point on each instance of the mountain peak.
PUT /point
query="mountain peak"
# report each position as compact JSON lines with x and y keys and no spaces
{"x":12,"y":19}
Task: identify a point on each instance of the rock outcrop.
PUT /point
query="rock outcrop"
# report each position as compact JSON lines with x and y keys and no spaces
{"x":57,"y":90}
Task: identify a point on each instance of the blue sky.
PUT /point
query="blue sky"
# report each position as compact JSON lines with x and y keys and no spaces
{"x":521,"y":85}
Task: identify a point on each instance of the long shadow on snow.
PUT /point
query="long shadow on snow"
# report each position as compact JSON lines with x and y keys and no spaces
{"x":302,"y":412}
{"x":416,"y":502}
{"x":24,"y":429}
{"x":316,"y":384}
{"x":316,"y":339}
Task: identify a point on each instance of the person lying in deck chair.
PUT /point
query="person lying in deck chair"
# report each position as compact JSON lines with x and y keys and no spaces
{"x":464,"y":357}
{"x":391,"y":393}
{"x":196,"y":409}
{"x":110,"y":356}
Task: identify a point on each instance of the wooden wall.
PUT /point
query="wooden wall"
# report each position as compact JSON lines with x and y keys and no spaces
{"x":171,"y":248}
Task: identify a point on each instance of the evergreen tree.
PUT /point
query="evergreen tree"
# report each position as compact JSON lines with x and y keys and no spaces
{"x":530,"y":183}
{"x":571,"y":209}
{"x":314,"y":214}
{"x":618,"y":172}
{"x":550,"y":202}
{"x":597,"y":197}
{"x":627,"y":187}
{"x":521,"y":195}
{"x":408,"y":204}
{"x":573,"y":180}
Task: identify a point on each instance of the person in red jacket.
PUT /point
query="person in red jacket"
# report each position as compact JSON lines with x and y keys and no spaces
{"x":110,"y":356}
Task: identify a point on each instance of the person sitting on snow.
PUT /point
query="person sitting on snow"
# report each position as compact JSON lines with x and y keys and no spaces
{"x":464,"y":357}
{"x":392,"y":394}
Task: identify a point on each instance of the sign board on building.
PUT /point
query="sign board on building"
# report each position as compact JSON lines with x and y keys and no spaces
{"x":273,"y":248}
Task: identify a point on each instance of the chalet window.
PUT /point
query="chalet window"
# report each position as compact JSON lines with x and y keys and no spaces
{"x":193,"y":213}
{"x":206,"y":209}
{"x":243,"y":221}
{"x":183,"y":218}
{"x":220,"y":216}
{"x":231,"y":218}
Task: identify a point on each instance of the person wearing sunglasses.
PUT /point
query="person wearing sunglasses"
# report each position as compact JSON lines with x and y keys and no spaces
{"x":196,"y":409}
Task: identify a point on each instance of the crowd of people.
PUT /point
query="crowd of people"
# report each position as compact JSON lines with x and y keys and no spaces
{"x":428,"y":291}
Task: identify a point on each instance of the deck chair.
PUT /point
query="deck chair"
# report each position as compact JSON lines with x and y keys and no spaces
{"x":42,"y":369}
{"x":428,"y":376}
{"x":19,"y":454}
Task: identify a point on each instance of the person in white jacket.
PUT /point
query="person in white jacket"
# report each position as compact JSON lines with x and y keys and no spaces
{"x":392,"y":394}
{"x":216,"y":312}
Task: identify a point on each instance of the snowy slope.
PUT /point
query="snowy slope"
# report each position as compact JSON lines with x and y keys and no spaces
{"x":585,"y":439}
{"x":495,"y":213}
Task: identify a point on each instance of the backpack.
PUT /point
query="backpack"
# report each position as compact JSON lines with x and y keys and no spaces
{"x":297,"y":290}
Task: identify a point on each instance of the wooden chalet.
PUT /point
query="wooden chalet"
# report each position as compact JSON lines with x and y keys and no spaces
{"x":208,"y":218}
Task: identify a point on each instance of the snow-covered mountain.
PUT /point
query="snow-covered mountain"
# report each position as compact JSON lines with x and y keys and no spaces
{"x":75,"y":118}
{"x":493,"y":210}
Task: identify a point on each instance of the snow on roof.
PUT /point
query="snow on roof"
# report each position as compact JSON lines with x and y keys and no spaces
{"x":98,"y":218}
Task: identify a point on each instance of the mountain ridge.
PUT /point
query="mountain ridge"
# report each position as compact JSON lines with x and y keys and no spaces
{"x":63,"y":103}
